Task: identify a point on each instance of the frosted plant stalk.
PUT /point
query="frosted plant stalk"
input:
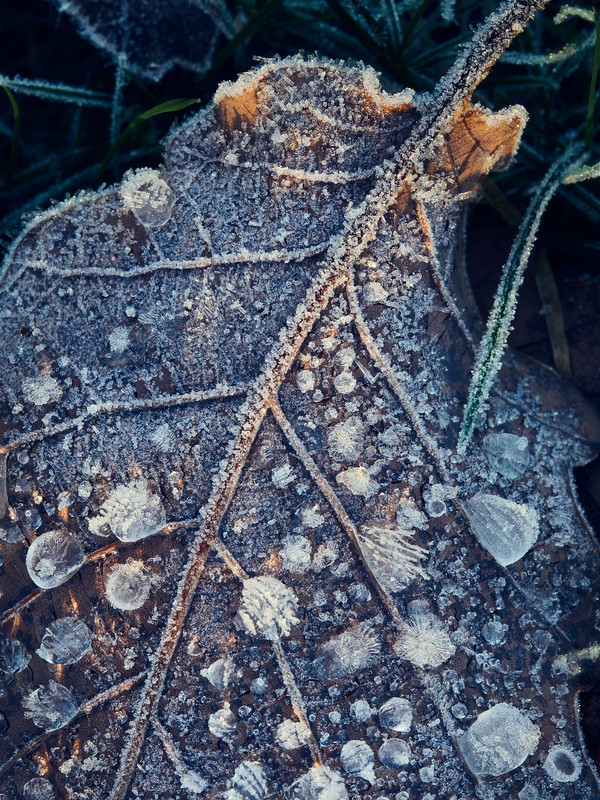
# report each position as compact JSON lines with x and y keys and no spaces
{"x":489,"y":358}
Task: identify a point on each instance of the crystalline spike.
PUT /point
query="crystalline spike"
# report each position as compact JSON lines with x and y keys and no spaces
{"x":249,"y":781}
{"x":506,"y":529}
{"x":65,"y":641}
{"x":392,"y":555}
{"x":222,"y":673}
{"x":425,"y":641}
{"x":349,"y":653}
{"x":499,"y":740}
{"x":53,"y":558}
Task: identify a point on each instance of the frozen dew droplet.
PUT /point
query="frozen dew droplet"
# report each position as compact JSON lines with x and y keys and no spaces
{"x":10,"y":532}
{"x":506,"y":529}
{"x":53,"y":558}
{"x":345,"y":382}
{"x":346,"y":439}
{"x":358,"y":481}
{"x":499,"y":740}
{"x":249,"y":782}
{"x":292,"y":735}
{"x":305,"y":380}
{"x":358,"y":759}
{"x":296,"y":553}
{"x":131,"y":511}
{"x":127,"y":586}
{"x":65,"y":641}
{"x":222,"y":673}
{"x":493,"y":632}
{"x":223,"y":723}
{"x":319,"y":783}
{"x":149,"y":196}
{"x":562,"y":764}
{"x":268,"y":607}
{"x":374,"y":293}
{"x":396,"y":714}
{"x":38,"y":789}
{"x":348,"y":653}
{"x":360,"y":711}
{"x":425,"y":641}
{"x":529,"y":792}
{"x":13,"y":656}
{"x":393,"y":557}
{"x":50,"y":707}
{"x":507,"y":454}
{"x":394,"y":754}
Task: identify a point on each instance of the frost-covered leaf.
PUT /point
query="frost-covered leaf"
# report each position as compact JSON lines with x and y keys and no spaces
{"x":231,"y":397}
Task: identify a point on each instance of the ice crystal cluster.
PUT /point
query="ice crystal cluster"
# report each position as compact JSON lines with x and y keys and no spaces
{"x":243,"y":558}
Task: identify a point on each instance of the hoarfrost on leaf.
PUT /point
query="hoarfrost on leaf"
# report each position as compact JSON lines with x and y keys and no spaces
{"x":506,"y":529}
{"x":305,"y":380}
{"x":508,"y":454}
{"x":268,"y":607}
{"x":345,"y":382}
{"x":127,"y":586}
{"x":131,"y":511}
{"x":562,"y":764}
{"x":50,"y":707}
{"x":53,"y":558}
{"x":499,"y":740}
{"x":296,"y":553}
{"x":358,"y":759}
{"x":65,"y":641}
{"x":42,"y":390}
{"x":425,"y":641}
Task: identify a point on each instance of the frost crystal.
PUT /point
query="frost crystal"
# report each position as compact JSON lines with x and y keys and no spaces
{"x":425,"y":641}
{"x":296,"y":553}
{"x":65,"y":641}
{"x":127,"y":586}
{"x":38,"y":789}
{"x":13,"y":656}
{"x":222,"y":723}
{"x":507,"y":454}
{"x":149,"y":197}
{"x":51,"y":707}
{"x":131,"y":512}
{"x":396,"y":714}
{"x":394,"y":754}
{"x":345,"y":382}
{"x":358,"y":759}
{"x":358,"y":481}
{"x":562,"y":764}
{"x":346,"y":439}
{"x":392,"y":556}
{"x":506,"y":529}
{"x":499,"y":740}
{"x":268,"y":608}
{"x":320,"y":783}
{"x":305,"y":380}
{"x":250,"y":782}
{"x":42,"y":390}
{"x":349,"y":653}
{"x":53,"y":558}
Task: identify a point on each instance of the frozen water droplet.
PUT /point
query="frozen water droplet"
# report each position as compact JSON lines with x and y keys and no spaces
{"x":222,"y":723}
{"x":319,"y":783}
{"x":360,"y":711}
{"x":506,"y":529}
{"x":259,"y":686}
{"x":38,"y":789}
{"x":149,"y":196}
{"x":249,"y":781}
{"x":374,"y":293}
{"x":459,"y":711}
{"x":507,"y":454}
{"x":127,"y":586}
{"x":305,"y":380}
{"x":493,"y":632}
{"x":425,"y":641}
{"x":50,"y":707}
{"x":222,"y":673}
{"x":292,"y":735}
{"x":296,"y":553}
{"x":529,"y":792}
{"x":53,"y":558}
{"x":268,"y":607}
{"x":131,"y":512}
{"x":499,"y":740}
{"x":345,"y":382}
{"x":358,"y":481}
{"x":348,"y":653}
{"x":562,"y":764}
{"x":13,"y":656}
{"x":10,"y":532}
{"x":65,"y":641}
{"x":396,"y":714}
{"x":427,"y":774}
{"x":358,"y":759}
{"x":394,"y":754}
{"x":346,"y":439}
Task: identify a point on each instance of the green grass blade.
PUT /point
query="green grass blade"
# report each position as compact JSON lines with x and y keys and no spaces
{"x":14,"y":145}
{"x":489,"y":358}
